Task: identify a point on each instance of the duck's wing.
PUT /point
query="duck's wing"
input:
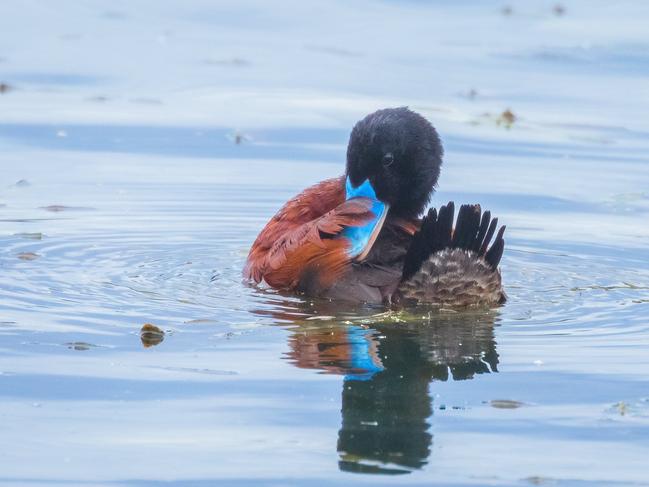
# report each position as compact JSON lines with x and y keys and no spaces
{"x":455,"y":266}
{"x":306,"y":244}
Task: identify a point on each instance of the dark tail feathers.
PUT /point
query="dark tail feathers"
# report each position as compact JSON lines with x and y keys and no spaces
{"x":473,"y":231}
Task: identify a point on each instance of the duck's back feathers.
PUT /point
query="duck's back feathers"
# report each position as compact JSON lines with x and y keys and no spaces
{"x":454,"y":267}
{"x":299,"y":248}
{"x":453,"y":278}
{"x":305,"y":248}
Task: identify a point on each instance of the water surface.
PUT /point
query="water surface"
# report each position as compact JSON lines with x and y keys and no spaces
{"x":125,"y":199}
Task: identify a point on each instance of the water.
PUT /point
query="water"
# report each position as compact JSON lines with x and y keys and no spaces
{"x":125,"y":200}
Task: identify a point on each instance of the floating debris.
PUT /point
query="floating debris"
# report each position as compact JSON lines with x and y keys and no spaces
{"x":505,"y":404}
{"x":506,"y":119}
{"x":5,"y":88}
{"x":192,"y":370}
{"x":27,"y":256}
{"x":538,"y":480}
{"x":22,"y":183}
{"x":98,"y":99}
{"x":80,"y":346}
{"x":622,"y":408}
{"x":60,"y":208}
{"x":61,"y":133}
{"x":30,"y":236}
{"x":54,"y":208}
{"x":336,"y":51}
{"x":471,"y":94}
{"x":151,"y":335}
{"x":630,"y":409}
{"x":239,"y":138}
{"x":201,"y":321}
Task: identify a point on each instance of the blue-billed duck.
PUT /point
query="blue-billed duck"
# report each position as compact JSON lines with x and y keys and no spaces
{"x":360,"y":237}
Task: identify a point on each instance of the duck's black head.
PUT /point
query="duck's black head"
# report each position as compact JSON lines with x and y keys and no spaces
{"x":399,"y":153}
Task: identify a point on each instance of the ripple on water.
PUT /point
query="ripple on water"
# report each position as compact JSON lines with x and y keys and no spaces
{"x":118,"y":277}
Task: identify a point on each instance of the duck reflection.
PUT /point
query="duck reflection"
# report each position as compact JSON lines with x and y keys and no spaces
{"x":387,"y":369}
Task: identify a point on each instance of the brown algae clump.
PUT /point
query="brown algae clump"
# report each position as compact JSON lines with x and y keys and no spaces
{"x":151,"y":335}
{"x":28,"y":256}
{"x":506,"y":119}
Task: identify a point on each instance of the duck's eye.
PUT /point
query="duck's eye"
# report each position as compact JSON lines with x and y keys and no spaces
{"x":388,"y":159}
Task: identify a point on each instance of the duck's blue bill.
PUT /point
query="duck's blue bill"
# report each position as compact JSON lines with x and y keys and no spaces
{"x":362,"y":238}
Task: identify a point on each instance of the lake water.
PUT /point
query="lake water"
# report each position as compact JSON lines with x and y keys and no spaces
{"x":125,"y":199}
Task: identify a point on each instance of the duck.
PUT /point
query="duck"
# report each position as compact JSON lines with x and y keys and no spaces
{"x":366,"y":237}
